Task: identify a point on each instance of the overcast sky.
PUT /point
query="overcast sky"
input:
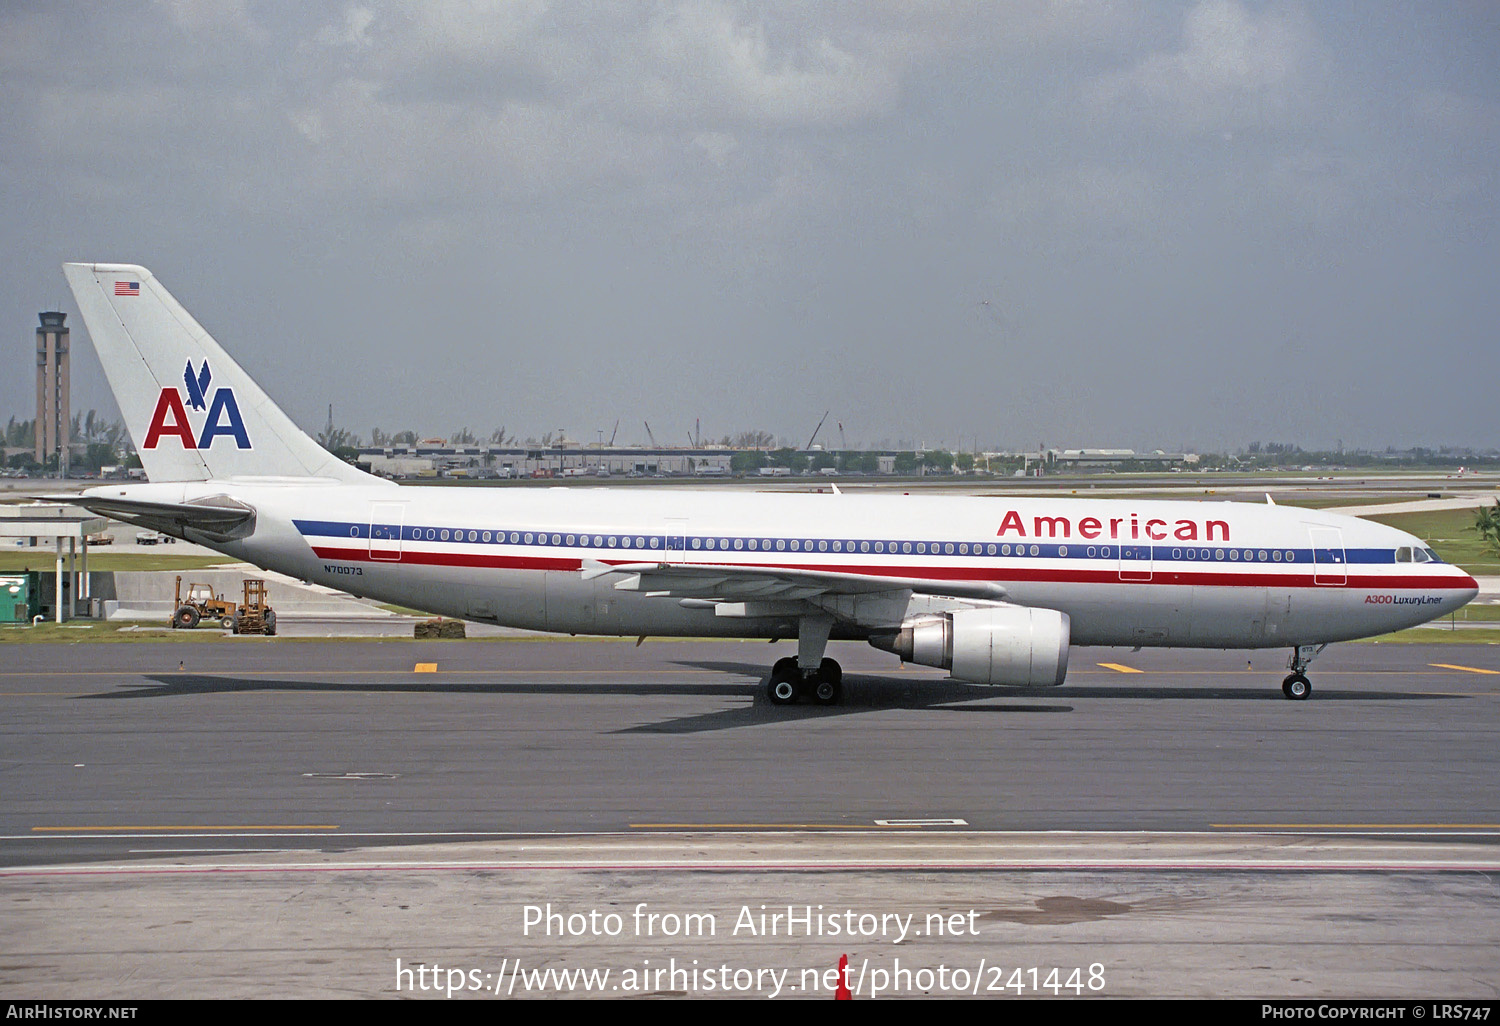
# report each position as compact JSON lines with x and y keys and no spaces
{"x":1143,"y":224}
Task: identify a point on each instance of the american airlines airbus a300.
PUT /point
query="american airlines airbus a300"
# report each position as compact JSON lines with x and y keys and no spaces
{"x":994,"y":589}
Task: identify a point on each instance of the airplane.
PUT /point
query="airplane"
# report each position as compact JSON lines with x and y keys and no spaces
{"x":996,"y":590}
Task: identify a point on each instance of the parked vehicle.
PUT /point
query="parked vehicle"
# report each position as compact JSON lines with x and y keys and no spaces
{"x":201,"y":604}
{"x":255,"y":615}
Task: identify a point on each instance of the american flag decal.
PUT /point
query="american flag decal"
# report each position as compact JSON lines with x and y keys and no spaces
{"x":127,"y":288}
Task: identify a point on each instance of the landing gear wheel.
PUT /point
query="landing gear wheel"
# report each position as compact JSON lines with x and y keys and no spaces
{"x":1296,"y":687}
{"x":186,"y":617}
{"x":783,"y":688}
{"x":827,"y":691}
{"x":827,"y":686}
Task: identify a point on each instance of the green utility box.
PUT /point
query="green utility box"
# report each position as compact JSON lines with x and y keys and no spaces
{"x":20,"y":596}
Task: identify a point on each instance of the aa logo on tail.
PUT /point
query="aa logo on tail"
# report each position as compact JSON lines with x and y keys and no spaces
{"x":170,"y":419}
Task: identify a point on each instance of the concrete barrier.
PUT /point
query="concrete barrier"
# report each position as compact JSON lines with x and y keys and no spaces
{"x":148,"y":595}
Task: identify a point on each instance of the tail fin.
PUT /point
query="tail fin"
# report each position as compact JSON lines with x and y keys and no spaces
{"x":193,"y":412}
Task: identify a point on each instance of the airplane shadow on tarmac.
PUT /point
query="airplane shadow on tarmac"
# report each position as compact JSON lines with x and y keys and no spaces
{"x":862,"y":694}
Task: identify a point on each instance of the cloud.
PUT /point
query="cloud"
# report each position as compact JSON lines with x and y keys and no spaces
{"x":703,"y":62}
{"x":1231,"y":68}
{"x":352,"y":31}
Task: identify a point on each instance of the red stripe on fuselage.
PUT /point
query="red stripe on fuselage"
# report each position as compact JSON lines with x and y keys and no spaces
{"x":450,"y":559}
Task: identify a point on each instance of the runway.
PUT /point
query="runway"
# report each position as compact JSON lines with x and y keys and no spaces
{"x":315,"y":792}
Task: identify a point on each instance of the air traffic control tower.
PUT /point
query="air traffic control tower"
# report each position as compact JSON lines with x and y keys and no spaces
{"x":52,"y":403}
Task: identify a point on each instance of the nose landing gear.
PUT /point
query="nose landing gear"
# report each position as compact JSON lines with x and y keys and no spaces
{"x":1297,"y":687}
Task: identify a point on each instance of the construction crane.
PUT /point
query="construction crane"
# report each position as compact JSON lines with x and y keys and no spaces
{"x":816,"y":430}
{"x":614,"y":432}
{"x":650,"y":435}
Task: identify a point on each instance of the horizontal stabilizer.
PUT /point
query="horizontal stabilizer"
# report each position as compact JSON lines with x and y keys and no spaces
{"x":215,"y":518}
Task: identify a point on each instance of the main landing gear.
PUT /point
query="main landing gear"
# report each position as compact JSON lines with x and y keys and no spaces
{"x":824,"y":685}
{"x":809,"y":673}
{"x":1297,"y":687}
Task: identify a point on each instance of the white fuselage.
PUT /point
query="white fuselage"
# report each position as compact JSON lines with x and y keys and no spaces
{"x":1127,"y":572}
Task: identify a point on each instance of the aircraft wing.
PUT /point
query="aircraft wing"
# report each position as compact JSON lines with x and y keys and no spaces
{"x":217,"y":517}
{"x":730,"y":582}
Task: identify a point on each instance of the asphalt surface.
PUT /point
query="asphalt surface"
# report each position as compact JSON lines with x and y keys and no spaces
{"x":278,"y":818}
{"x":122,"y":750}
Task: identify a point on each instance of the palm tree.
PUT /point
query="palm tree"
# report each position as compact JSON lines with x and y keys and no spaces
{"x":1487,"y":522}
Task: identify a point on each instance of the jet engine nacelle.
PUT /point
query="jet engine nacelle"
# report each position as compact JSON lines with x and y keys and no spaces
{"x":1011,"y":645}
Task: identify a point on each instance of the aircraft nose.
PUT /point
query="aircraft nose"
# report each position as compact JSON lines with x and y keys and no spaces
{"x":1467,"y":589}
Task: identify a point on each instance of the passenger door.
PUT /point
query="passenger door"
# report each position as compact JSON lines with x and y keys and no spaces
{"x":1329,"y":565}
{"x":386,"y":520}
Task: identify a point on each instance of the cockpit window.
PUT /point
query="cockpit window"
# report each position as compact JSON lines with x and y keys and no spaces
{"x":1422,"y":556}
{"x":1433,"y":556}
{"x":1403,"y":554}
